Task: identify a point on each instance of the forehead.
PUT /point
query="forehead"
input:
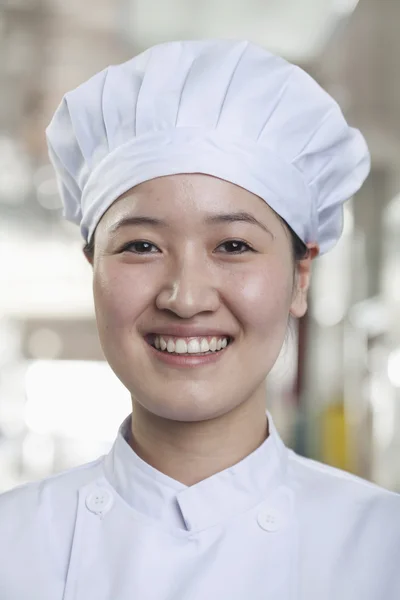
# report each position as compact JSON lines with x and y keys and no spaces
{"x":185,"y":197}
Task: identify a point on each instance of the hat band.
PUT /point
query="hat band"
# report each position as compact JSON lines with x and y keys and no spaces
{"x":248,"y":164}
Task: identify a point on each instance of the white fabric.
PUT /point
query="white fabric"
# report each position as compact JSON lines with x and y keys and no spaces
{"x":275,"y":526}
{"x":225,"y":108}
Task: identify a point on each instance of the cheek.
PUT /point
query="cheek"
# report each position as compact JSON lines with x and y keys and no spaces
{"x":119,"y":294}
{"x":264,"y":298}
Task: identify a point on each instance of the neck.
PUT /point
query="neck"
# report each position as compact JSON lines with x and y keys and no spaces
{"x":192,"y":451}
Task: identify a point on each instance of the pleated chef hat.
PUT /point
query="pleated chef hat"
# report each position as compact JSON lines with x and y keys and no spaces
{"x":225,"y":108}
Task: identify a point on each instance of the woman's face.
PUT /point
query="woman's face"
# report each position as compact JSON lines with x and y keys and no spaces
{"x":189,"y":273}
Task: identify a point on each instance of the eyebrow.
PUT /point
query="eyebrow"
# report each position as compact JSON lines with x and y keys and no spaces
{"x":211,"y":219}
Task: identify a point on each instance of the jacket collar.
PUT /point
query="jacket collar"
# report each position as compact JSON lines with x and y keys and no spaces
{"x":205,"y":504}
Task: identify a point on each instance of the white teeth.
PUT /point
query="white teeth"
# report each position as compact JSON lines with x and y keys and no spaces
{"x":180,"y":347}
{"x":194,"y":346}
{"x":204,"y":346}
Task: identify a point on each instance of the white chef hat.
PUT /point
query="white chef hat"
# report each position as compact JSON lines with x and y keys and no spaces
{"x":225,"y":108}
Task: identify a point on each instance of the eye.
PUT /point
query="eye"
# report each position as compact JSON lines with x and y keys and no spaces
{"x":142,"y":247}
{"x":235,"y":245}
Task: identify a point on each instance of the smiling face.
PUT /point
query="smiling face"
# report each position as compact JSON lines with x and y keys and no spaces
{"x":194,"y":269}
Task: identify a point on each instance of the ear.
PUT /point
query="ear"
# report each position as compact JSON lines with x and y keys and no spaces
{"x":298,"y":307}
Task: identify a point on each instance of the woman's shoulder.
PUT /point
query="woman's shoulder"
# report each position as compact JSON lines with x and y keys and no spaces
{"x":314,"y":474}
{"x":59,"y":490}
{"x":37,"y":522}
{"x":349,"y":521}
{"x":332,"y":493}
{"x":36,"y":530}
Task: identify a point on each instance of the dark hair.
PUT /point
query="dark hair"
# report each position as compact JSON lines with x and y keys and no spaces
{"x":88,"y":249}
{"x":299,"y":249}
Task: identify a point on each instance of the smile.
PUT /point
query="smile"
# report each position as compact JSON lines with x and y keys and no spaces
{"x":189,"y":346}
{"x":190,"y":358}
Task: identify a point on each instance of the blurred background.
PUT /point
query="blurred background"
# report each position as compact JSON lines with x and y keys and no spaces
{"x":335,"y":390}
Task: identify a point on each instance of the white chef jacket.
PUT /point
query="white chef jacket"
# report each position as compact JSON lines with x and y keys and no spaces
{"x":275,"y":526}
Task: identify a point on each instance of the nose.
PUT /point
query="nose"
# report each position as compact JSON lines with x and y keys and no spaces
{"x":190,"y":287}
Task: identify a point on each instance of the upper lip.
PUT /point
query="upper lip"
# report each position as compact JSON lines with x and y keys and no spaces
{"x":185,"y":331}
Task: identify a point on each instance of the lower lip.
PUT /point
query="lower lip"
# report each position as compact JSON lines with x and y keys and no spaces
{"x":185,"y":360}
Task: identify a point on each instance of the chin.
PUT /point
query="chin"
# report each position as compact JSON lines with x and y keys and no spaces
{"x":193,"y":412}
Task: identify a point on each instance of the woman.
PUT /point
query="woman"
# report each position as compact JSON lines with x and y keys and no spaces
{"x":205,"y":176}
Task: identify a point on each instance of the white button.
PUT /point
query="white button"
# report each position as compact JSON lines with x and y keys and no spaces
{"x":270,"y":519}
{"x":100,"y":501}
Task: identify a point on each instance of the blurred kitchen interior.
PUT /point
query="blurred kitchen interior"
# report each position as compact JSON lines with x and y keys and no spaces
{"x":335,"y":391}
